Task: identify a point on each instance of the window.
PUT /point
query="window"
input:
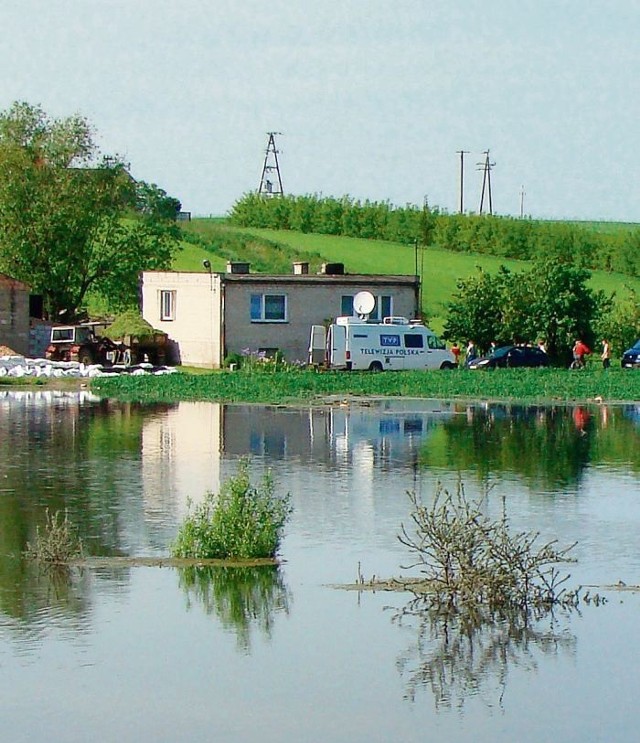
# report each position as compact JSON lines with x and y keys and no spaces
{"x":167,"y":305}
{"x":268,"y":308}
{"x":384,"y":301}
{"x":435,"y":342}
{"x":413,"y":340}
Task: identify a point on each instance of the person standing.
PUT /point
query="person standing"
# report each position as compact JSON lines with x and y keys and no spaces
{"x":606,"y":354}
{"x":580,"y":350}
{"x":455,"y":350}
{"x":472,"y":353}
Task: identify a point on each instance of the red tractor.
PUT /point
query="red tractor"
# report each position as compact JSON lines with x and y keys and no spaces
{"x":81,"y":343}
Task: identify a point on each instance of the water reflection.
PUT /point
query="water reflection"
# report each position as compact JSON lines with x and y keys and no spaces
{"x":549,"y":447}
{"x":469,"y":653}
{"x":243,"y":599}
{"x":39,"y":597}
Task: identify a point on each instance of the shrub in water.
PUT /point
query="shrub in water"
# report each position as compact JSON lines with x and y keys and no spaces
{"x":242,"y":521}
{"x":57,"y":543}
{"x":470,"y":559}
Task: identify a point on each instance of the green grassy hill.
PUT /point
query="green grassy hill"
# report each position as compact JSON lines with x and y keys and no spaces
{"x":274,"y":251}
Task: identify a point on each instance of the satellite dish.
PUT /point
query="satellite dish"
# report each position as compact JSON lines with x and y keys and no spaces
{"x":363,"y":303}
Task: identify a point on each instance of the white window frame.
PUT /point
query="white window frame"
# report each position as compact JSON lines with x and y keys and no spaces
{"x":262,"y":318}
{"x":167,"y":305}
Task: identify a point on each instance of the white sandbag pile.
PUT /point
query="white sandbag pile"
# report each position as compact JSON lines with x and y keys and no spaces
{"x":20,"y":366}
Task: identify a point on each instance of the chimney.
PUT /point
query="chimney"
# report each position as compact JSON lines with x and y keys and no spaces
{"x":238,"y":267}
{"x":332,"y":269}
{"x":300,"y":268}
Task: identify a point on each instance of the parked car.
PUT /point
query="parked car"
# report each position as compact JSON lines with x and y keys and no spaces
{"x":511,"y":356}
{"x":631,"y":357}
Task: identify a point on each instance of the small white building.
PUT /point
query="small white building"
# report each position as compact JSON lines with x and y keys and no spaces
{"x":208,"y":316}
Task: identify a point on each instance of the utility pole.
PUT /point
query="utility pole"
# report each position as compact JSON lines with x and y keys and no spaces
{"x":486,"y":167}
{"x":270,"y":168}
{"x":462,"y":153}
{"x":522,"y":195}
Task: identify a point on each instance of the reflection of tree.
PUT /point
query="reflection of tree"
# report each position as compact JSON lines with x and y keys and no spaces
{"x":469,"y":653}
{"x":42,"y":593}
{"x":241,"y":597}
{"x":543,"y":444}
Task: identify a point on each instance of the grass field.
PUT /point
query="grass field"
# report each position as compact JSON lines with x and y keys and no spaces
{"x":440,"y":269}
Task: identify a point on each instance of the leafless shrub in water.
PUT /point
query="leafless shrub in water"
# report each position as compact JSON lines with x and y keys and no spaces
{"x":469,"y":560}
{"x":57,"y":542}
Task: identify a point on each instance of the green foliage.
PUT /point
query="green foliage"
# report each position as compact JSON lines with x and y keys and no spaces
{"x":551,"y":301}
{"x":153,"y":201}
{"x":507,"y":237}
{"x":62,"y":215}
{"x":534,"y":385}
{"x":242,"y":521}
{"x":621,"y":324}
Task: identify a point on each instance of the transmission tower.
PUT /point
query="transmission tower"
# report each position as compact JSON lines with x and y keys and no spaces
{"x":271,"y":180}
{"x":486,"y":168}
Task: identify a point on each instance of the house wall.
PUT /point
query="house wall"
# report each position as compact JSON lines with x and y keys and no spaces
{"x":14,"y":315}
{"x":194,"y":332}
{"x":213,"y":312}
{"x":308,"y":303}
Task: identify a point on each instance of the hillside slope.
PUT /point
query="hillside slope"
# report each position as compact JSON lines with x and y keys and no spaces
{"x":274,"y":251}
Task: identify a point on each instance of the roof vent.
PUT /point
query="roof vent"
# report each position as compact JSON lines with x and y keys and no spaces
{"x":238,"y":267}
{"x":300,"y":268}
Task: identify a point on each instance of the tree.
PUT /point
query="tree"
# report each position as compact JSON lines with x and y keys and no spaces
{"x":70,"y":219}
{"x":551,"y":301}
{"x":476,"y":313}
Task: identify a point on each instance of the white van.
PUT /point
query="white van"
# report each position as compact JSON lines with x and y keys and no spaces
{"x":395,"y":343}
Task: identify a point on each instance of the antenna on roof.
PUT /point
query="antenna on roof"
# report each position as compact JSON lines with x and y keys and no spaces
{"x":271,"y":180}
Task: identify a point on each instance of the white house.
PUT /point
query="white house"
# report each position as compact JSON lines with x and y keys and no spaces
{"x":210,"y":315}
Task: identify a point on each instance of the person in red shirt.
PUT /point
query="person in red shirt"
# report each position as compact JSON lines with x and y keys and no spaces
{"x":455,"y":350}
{"x":580,"y":350}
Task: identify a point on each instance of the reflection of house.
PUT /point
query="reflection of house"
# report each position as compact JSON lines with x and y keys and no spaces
{"x":181,"y":455}
{"x":14,"y":314}
{"x":208,"y":316}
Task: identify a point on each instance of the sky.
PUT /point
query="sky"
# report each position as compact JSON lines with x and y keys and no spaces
{"x":373,"y":98}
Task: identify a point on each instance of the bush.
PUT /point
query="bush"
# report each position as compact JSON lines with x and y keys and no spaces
{"x":242,"y":521}
{"x":57,"y":543}
{"x":470,"y":560}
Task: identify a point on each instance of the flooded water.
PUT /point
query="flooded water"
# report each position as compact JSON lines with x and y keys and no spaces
{"x":280,"y":654}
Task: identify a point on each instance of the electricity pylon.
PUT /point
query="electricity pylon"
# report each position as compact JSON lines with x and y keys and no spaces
{"x":486,"y":167}
{"x":271,"y":180}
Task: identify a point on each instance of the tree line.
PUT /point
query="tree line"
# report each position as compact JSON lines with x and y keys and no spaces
{"x":507,"y":237}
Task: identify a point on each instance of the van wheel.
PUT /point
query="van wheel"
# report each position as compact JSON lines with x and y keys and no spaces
{"x":375,"y":366}
{"x":447,"y":365}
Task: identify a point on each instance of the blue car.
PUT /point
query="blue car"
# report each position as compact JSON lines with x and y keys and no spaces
{"x":631,"y":357}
